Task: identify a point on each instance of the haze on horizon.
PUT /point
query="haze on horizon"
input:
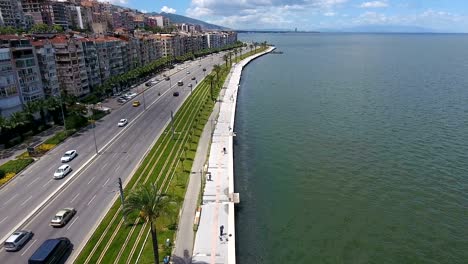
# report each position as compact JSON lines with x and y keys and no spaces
{"x":307,"y":15}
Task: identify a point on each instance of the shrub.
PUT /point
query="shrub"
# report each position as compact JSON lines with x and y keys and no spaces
{"x":57,"y":138}
{"x":76,"y":121}
{"x":15,"y":166}
{"x":2,"y":174}
{"x":43,"y":148}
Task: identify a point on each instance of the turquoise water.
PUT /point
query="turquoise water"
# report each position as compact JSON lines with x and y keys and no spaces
{"x":353,"y":148}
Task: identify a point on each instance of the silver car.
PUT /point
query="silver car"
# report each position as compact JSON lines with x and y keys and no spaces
{"x":62,"y":171}
{"x":17,"y":240}
{"x":62,"y":217}
{"x":69,"y":155}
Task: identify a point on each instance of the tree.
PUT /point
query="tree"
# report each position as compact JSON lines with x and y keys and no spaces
{"x":217,"y":69}
{"x":150,"y":204}
{"x":210,"y":79}
{"x":225,"y":58}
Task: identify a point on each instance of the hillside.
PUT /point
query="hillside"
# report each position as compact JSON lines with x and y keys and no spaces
{"x":183,"y":19}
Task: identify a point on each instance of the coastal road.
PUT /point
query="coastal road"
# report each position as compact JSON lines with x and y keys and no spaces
{"x":92,"y":185}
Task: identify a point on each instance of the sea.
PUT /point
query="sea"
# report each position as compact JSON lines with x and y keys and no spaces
{"x":353,"y":148}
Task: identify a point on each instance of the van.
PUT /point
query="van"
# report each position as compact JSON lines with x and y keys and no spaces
{"x":180,"y":83}
{"x":51,"y":251}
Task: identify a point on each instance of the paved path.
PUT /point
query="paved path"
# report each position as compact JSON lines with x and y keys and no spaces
{"x":11,"y":153}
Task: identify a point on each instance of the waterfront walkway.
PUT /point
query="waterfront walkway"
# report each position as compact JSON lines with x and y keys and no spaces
{"x":215,"y":238}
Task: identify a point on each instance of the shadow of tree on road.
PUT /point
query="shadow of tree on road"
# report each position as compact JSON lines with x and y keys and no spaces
{"x":186,"y":259}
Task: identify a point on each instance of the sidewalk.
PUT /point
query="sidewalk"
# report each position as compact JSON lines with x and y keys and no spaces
{"x":11,"y":153}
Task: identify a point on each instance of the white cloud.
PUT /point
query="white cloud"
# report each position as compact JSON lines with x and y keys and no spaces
{"x":329,"y":14}
{"x":374,"y":4}
{"x":169,"y":10}
{"x":259,"y":13}
{"x":144,"y":11}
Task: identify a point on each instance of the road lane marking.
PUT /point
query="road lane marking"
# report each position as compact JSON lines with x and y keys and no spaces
{"x":46,"y":183}
{"x":26,"y":200}
{"x":117,"y":168}
{"x":91,"y":180}
{"x":32,"y":182}
{"x":74,"y":197}
{"x":13,"y":197}
{"x":106,"y":182}
{"x":105,"y":165}
{"x":3,"y":219}
{"x":70,"y":225}
{"x":30,"y":245}
{"x":91,"y":200}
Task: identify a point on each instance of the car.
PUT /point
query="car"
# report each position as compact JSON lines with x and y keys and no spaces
{"x":204,"y":69}
{"x":69,"y":155}
{"x":52,"y":251}
{"x":17,"y":240}
{"x":149,"y":83}
{"x":180,"y":83}
{"x":167,"y":78}
{"x":190,"y":85}
{"x":136,"y":103}
{"x":188,"y":72}
{"x":194,"y":78}
{"x":62,"y":217}
{"x":175,"y":94}
{"x":62,"y":171}
{"x":122,"y":122}
{"x":121,"y":100}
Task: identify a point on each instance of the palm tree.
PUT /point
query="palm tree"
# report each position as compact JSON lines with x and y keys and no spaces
{"x":150,"y":204}
{"x":217,"y":69}
{"x":210,"y":79}
{"x":225,"y":58}
{"x":251,"y":47}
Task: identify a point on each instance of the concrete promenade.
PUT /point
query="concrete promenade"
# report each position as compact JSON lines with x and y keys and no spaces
{"x":215,"y":238}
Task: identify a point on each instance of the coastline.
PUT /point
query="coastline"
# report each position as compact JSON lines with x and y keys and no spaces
{"x":215,"y":238}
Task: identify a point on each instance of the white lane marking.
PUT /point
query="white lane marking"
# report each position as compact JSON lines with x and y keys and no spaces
{"x":91,"y":180}
{"x":26,"y":200}
{"x":3,"y":219}
{"x":69,"y":226}
{"x":106,"y":182}
{"x":30,"y":245}
{"x":46,"y":183}
{"x":105,"y":165}
{"x":117,"y":168}
{"x":113,"y":156}
{"x":32,"y":182}
{"x":74,"y":197}
{"x":13,"y":197}
{"x":91,"y":200}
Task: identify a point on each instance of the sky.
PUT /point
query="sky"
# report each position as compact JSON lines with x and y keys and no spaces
{"x":305,"y":15}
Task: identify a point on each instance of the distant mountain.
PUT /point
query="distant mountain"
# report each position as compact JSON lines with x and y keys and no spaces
{"x":383,"y":29}
{"x":183,"y":19}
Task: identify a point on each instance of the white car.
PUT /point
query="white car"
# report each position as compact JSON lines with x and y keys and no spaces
{"x":17,"y":240}
{"x":62,"y":217}
{"x":69,"y":155}
{"x":188,"y":72}
{"x":62,"y":171}
{"x":122,"y":122}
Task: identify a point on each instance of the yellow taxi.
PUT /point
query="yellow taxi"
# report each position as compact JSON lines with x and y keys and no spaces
{"x":136,"y":103}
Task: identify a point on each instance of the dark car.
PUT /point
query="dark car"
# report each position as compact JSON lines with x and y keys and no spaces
{"x":193,"y":78}
{"x":204,"y":69}
{"x":175,"y":94}
{"x":167,"y":78}
{"x":51,"y":251}
{"x":171,"y":67}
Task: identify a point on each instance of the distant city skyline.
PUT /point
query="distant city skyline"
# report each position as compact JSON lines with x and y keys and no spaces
{"x":435,"y":15}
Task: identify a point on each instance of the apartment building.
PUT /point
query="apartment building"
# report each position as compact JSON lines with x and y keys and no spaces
{"x":46,"y":59}
{"x":91,"y":61}
{"x":71,"y":67}
{"x":11,"y":14}
{"x":10,"y":97}
{"x":26,"y":66}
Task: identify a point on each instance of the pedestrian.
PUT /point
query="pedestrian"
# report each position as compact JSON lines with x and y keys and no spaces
{"x":221,"y":230}
{"x":224,"y":150}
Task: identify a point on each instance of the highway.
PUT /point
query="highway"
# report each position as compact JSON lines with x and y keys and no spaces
{"x":33,"y":197}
